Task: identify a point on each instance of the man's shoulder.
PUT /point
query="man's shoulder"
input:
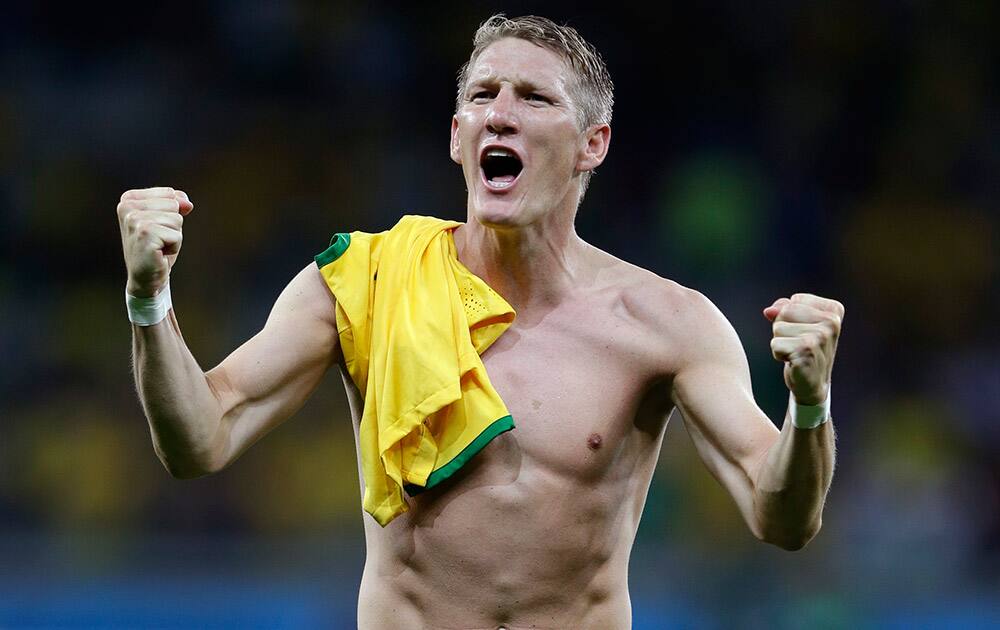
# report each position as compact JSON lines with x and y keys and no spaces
{"x":648,"y":287}
{"x":663,"y":304}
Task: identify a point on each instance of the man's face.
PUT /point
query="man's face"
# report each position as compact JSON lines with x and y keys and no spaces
{"x":516,"y":135}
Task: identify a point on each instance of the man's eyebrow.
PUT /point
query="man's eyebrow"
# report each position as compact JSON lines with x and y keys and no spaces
{"x":529,"y":85}
{"x":483,"y":78}
{"x":521,"y":84}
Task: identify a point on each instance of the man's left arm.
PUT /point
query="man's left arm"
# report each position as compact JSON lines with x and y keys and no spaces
{"x":778,"y":480}
{"x":796,"y":473}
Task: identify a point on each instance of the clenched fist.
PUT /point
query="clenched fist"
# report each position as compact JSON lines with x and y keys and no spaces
{"x":806,"y":328}
{"x":151,"y":220}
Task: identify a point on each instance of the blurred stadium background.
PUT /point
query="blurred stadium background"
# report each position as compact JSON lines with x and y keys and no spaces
{"x":847,"y":149}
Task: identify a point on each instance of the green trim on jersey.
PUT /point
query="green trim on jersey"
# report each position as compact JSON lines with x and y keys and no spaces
{"x":499,"y":426}
{"x":338,"y":245}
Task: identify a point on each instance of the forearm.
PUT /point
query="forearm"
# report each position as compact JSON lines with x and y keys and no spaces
{"x":792,"y":484}
{"x":184,"y":414}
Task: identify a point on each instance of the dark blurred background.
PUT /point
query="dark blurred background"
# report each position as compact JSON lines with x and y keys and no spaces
{"x":759,"y":149}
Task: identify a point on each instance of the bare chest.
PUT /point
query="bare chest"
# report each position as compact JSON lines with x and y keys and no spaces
{"x":575,"y":384}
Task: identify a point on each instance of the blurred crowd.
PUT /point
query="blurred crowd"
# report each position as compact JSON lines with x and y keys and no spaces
{"x":846,"y":149}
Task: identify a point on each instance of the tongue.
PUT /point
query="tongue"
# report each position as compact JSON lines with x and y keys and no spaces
{"x":504,"y":179}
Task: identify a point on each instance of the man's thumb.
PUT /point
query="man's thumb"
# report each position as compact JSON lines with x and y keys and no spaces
{"x":186,"y":206}
{"x":772,"y":311}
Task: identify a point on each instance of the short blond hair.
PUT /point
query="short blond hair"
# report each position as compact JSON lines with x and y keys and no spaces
{"x":593,"y":90}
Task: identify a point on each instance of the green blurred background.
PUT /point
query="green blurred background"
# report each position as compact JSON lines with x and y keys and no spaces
{"x":846,"y":149}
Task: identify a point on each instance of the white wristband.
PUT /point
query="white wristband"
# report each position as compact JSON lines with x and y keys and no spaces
{"x":809,"y":416}
{"x":148,"y":311}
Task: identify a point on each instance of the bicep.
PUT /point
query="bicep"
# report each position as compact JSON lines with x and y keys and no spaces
{"x":268,"y":378}
{"x":712,"y":389}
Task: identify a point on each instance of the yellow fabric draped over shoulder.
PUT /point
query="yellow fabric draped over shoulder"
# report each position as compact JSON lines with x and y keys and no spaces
{"x":413,"y":322}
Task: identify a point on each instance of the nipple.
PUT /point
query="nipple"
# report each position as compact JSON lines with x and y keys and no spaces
{"x":594,"y":441}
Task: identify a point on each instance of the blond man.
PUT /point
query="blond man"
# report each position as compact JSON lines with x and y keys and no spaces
{"x":537,"y":529}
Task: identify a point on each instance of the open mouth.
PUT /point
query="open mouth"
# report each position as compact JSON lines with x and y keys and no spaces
{"x":500,"y":167}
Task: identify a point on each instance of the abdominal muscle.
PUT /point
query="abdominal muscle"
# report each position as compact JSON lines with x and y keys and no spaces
{"x":537,"y":553}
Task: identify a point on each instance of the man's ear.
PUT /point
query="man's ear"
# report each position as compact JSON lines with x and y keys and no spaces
{"x":456,"y":148}
{"x":593,"y":153}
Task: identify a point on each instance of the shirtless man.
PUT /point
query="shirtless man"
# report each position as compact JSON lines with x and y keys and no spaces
{"x":536,"y":531}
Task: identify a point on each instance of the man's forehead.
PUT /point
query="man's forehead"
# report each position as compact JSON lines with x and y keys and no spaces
{"x":521,"y":62}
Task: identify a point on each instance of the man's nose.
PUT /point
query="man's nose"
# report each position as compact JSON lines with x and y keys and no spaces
{"x":502,"y":119}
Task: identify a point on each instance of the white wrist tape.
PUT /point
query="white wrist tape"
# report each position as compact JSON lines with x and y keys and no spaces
{"x":148,"y":311}
{"x":809,"y":416}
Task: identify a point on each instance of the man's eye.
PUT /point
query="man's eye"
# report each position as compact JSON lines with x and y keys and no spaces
{"x":481,"y":94}
{"x":537,"y":97}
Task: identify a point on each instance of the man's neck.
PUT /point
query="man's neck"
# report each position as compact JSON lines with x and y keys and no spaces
{"x":534,"y":266}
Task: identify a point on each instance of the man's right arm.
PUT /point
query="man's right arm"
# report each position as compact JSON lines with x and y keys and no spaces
{"x":202,"y":421}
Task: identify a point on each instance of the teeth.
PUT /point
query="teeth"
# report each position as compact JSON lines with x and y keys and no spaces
{"x":500,"y":153}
